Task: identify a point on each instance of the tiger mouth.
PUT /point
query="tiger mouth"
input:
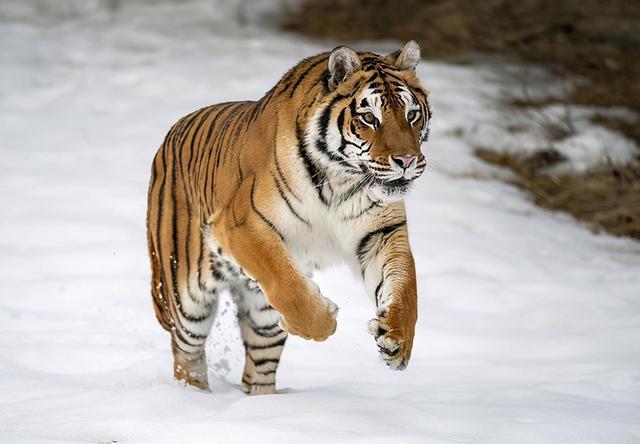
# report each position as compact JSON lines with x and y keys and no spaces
{"x":396,"y":183}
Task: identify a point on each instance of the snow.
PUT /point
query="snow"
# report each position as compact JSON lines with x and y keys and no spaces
{"x":529,"y":129}
{"x":529,"y":323}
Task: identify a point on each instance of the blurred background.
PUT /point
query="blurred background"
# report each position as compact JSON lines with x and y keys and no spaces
{"x":524,"y":229}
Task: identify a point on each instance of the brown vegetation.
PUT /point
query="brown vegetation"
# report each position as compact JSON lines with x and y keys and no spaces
{"x":606,"y":198}
{"x":595,"y":39}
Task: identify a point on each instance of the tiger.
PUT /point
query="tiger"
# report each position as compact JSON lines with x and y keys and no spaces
{"x":253,"y":197}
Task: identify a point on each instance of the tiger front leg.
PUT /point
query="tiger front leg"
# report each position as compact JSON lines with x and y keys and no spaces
{"x":259,"y":249}
{"x":390,"y":278}
{"x":305,"y":312}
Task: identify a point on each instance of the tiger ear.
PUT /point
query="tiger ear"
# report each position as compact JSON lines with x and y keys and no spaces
{"x":343,"y":62}
{"x":407,"y":58}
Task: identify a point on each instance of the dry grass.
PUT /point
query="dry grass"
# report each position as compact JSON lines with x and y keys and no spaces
{"x":629,"y":129}
{"x":607,"y":198}
{"x":595,"y":39}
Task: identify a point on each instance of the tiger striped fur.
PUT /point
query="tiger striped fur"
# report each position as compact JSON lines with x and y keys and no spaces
{"x":253,"y":197}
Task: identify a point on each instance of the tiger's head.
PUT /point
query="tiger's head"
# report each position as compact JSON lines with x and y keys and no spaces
{"x":374,"y":118}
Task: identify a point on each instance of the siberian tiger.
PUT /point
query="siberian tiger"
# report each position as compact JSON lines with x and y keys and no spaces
{"x":253,"y":197}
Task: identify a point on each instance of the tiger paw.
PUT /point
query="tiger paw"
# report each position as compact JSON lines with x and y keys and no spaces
{"x":394,"y":342}
{"x":191,"y":372}
{"x":317,"y":321}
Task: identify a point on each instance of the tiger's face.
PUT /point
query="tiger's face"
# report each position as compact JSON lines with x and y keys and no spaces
{"x":382,"y":119}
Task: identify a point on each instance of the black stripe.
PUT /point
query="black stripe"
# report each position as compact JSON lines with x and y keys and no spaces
{"x":364,"y":211}
{"x":206,"y":149}
{"x":201,"y":263}
{"x":279,"y":343}
{"x":386,"y":74}
{"x":363,"y":245}
{"x":178,"y":335}
{"x":177,"y":162}
{"x":260,"y":362}
{"x":188,"y":317}
{"x":341,"y":119}
{"x":184,"y":128}
{"x":355,"y":188}
{"x":255,"y":326}
{"x":262,"y":216}
{"x":240,"y":175}
{"x":388,"y":352}
{"x":302,"y":76}
{"x":255,"y":112}
{"x":185,"y":182}
{"x":282,"y":176}
{"x":286,"y":200}
{"x":373,"y":77}
{"x":377,"y":291}
{"x":198,"y":350}
{"x":265,"y":332}
{"x":264,"y":101}
{"x":219,"y":141}
{"x":321,"y":143}
{"x":160,"y":155}
{"x":241,"y":119}
{"x":316,"y":176}
{"x":193,"y":335}
{"x":197,"y":135}
{"x":174,"y":235}
{"x":343,"y":141}
{"x":216,"y":273}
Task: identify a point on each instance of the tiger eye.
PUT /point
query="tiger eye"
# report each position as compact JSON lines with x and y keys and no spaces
{"x":369,"y":118}
{"x":411,"y":115}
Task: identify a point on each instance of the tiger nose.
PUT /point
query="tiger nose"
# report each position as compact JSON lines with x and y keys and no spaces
{"x":404,"y":161}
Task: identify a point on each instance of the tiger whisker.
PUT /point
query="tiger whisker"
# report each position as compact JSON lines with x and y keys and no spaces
{"x":367,"y":179}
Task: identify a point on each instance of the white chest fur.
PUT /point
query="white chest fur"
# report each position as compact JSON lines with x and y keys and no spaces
{"x":330,"y":231}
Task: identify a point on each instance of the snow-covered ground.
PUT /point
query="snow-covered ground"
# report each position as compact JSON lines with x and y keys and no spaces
{"x":529,"y":328}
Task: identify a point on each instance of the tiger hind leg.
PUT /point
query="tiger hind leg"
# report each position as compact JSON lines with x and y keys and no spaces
{"x":187,"y":315}
{"x":262,"y":337}
{"x":189,"y":359}
{"x":188,"y":344}
{"x":194,"y":304}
